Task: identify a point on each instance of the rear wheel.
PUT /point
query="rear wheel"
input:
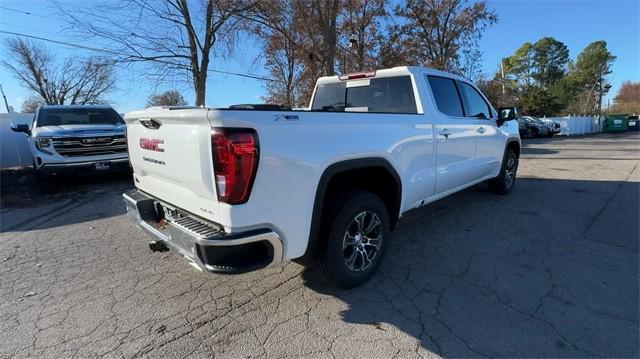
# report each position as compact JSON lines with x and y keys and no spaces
{"x":503,"y":184}
{"x":357,"y":231}
{"x":535,"y":132}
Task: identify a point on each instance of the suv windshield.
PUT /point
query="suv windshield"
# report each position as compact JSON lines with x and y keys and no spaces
{"x":382,"y":95}
{"x":78,"y":116}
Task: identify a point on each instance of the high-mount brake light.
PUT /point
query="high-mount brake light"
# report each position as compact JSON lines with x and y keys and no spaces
{"x":357,"y":75}
{"x":235,"y":162}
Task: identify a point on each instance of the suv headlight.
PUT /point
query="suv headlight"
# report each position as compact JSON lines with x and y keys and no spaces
{"x":44,"y":144}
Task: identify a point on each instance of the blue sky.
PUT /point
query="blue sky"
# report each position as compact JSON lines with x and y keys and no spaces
{"x":574,"y":22}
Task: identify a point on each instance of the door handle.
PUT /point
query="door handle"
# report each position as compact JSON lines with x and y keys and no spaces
{"x":481,"y":130}
{"x":445,"y":132}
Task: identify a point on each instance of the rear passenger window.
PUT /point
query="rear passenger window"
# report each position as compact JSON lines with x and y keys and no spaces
{"x":476,"y":105}
{"x":382,"y":95}
{"x":446,"y":94}
{"x":329,"y":97}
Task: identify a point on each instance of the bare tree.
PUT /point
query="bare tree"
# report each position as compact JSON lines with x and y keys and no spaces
{"x":31,"y":104}
{"x":392,"y":49}
{"x":167,"y":98}
{"x":628,"y":98}
{"x":444,"y":33}
{"x":71,"y":82}
{"x":278,"y":24}
{"x":359,"y":30}
{"x":300,"y":44}
{"x":177,"y":36}
{"x":322,"y":17}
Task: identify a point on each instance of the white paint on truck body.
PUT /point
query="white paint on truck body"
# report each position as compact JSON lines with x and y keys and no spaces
{"x":295,"y":152}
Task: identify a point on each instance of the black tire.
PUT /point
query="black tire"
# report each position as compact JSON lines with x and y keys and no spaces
{"x":503,"y":184}
{"x":42,"y":180}
{"x":347,"y":267}
{"x":529,"y":133}
{"x":535,"y":133}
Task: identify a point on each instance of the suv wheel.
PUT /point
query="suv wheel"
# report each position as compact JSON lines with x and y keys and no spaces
{"x":42,"y":179}
{"x":503,"y":184}
{"x":357,"y":231}
{"x":535,"y":133}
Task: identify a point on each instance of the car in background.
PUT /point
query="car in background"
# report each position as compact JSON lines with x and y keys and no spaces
{"x":77,"y":139}
{"x":554,"y":126}
{"x":531,"y":127}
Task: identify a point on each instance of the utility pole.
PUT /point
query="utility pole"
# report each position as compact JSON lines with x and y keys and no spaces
{"x":600,"y":95}
{"x":6,"y":104}
{"x":502,"y":71}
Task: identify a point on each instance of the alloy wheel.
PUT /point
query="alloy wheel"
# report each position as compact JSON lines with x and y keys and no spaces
{"x":362,"y":241}
{"x":510,"y":171}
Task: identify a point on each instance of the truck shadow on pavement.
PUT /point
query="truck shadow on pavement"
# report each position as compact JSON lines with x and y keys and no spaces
{"x":551,"y":270}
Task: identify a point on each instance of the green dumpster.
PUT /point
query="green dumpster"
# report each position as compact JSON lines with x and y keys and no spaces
{"x":616,"y":123}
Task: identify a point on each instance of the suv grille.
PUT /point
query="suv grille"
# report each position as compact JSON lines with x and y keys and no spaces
{"x":90,"y":146}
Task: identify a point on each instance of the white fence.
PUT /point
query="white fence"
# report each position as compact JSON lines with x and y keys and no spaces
{"x":577,"y":125}
{"x":14,"y":151}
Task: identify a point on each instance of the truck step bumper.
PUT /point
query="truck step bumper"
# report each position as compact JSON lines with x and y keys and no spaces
{"x":203,"y":244}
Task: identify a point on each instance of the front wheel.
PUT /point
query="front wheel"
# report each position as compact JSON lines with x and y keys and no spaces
{"x":42,"y":179}
{"x":357,"y":233}
{"x":503,"y":184}
{"x":535,"y":133}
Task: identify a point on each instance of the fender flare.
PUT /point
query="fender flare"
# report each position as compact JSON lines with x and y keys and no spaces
{"x":509,"y":142}
{"x":331,"y":171}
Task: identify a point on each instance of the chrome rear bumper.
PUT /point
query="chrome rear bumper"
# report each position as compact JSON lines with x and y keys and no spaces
{"x":202,"y":243}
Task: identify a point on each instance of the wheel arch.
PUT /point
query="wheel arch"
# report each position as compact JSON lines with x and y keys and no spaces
{"x":330,"y":182}
{"x":513,"y":144}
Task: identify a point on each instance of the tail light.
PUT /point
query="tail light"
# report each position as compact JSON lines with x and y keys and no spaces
{"x":235,"y":162}
{"x":357,"y":75}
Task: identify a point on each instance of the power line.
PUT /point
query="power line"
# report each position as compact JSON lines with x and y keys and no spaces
{"x":22,"y":11}
{"x":59,"y":42}
{"x":251,"y":76}
{"x":101,"y":9}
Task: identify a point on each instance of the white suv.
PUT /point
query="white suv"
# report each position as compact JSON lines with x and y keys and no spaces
{"x":72,"y":138}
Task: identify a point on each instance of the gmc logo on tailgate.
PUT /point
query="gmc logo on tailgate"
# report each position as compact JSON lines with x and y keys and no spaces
{"x":152,"y":144}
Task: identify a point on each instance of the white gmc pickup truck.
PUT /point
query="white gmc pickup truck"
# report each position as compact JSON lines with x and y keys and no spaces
{"x":234,"y":190}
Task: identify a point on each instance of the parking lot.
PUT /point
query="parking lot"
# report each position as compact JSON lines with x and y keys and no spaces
{"x":550,"y":270}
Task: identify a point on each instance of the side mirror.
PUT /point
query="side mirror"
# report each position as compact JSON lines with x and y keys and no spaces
{"x":21,"y":128}
{"x":506,"y":114}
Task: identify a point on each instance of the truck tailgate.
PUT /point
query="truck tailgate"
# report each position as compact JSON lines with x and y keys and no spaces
{"x":170,"y":152}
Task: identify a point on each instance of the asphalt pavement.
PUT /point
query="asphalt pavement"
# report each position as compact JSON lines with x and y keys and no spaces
{"x":549,"y":271}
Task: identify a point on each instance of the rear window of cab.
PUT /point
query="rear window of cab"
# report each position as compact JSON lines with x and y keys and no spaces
{"x":375,"y":95}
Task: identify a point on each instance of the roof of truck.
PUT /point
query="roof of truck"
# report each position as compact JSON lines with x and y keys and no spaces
{"x":396,"y":71}
{"x":74,"y":106}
